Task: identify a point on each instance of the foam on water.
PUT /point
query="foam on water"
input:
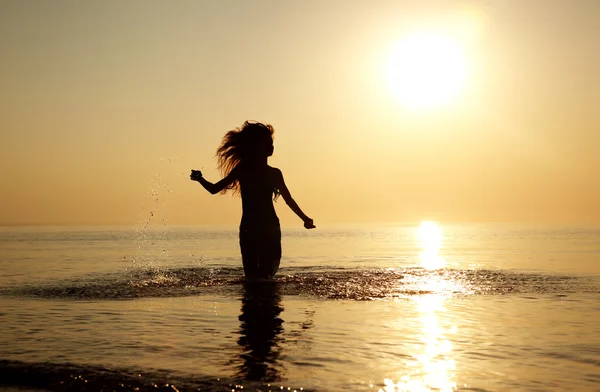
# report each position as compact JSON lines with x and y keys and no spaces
{"x":350,"y":284}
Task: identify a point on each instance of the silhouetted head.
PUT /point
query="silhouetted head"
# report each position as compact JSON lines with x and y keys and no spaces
{"x":248,"y":144}
{"x":258,"y":140}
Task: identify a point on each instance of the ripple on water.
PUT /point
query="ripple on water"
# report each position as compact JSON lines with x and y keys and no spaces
{"x":69,"y":377}
{"x":360,"y":285}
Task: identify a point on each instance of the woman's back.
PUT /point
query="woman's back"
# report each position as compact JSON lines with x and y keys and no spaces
{"x":258,"y":185}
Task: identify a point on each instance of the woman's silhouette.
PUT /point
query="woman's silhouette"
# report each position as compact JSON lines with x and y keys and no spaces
{"x":242,"y":159}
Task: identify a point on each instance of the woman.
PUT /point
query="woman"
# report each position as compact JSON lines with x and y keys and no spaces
{"x":242,"y":159}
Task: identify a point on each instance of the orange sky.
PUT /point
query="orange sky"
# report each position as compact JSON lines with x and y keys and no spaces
{"x":104,"y":102}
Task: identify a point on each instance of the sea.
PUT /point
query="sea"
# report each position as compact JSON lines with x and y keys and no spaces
{"x":423,"y":306}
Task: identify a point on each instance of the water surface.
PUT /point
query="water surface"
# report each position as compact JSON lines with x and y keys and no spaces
{"x":470,"y":307}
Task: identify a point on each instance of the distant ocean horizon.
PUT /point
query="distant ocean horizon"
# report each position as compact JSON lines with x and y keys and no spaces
{"x":154,"y":225}
{"x":424,"y":306}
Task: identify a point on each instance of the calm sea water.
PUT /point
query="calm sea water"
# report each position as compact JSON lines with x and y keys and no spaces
{"x":480,"y":307}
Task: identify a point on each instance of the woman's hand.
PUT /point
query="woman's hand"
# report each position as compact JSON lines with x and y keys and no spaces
{"x":196,"y":174}
{"x":308,"y":223}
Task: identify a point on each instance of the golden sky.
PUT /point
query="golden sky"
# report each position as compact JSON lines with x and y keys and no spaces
{"x":107,"y":105}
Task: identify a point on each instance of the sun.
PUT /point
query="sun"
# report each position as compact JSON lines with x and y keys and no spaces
{"x":426,"y":70}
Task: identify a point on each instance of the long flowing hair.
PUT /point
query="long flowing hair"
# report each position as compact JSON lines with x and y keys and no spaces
{"x":239,"y":146}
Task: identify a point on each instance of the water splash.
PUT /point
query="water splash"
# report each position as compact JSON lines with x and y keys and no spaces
{"x":152,"y":237}
{"x":355,"y":285}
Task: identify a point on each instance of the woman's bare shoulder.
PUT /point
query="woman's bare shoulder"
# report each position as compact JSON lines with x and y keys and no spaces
{"x":275,"y":174}
{"x":274,"y":170}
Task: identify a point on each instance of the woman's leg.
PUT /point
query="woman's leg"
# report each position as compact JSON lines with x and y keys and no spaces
{"x":270,"y":252}
{"x":261,"y":251}
{"x":249,"y":250}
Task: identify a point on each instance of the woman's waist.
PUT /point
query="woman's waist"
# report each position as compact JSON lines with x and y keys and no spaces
{"x":251,"y":221}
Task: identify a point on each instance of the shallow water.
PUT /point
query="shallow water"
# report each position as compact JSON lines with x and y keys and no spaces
{"x":482,"y":307}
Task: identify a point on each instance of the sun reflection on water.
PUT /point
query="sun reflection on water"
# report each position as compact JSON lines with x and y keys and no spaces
{"x":430,"y":235}
{"x":431,"y":367}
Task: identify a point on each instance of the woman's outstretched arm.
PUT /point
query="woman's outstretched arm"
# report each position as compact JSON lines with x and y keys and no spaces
{"x":209,"y":186}
{"x":285,"y":193}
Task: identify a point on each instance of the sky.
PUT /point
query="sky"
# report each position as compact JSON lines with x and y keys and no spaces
{"x":106,"y":106}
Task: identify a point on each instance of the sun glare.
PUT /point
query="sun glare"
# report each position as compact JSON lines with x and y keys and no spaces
{"x":426,"y":70}
{"x":430,"y":236}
